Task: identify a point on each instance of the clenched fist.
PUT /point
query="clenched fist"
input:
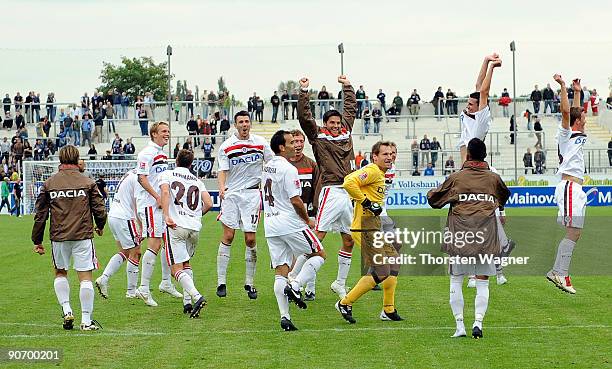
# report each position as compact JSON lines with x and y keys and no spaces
{"x":304,"y":83}
{"x":345,"y":82}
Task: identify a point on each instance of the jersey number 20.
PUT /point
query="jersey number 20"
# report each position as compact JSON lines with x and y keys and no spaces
{"x":193,"y":195}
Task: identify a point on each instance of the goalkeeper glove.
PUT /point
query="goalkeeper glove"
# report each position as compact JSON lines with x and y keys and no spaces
{"x":373,"y":207}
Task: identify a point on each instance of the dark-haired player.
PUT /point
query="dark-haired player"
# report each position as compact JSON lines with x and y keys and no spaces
{"x":333,"y":150}
{"x":570,"y":197}
{"x":240,"y":157}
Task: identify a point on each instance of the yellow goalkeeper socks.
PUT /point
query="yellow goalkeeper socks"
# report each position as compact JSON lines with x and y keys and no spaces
{"x":365,"y":284}
{"x":389,"y":285}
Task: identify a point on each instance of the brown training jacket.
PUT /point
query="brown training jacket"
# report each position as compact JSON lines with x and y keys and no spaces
{"x":334,"y":155}
{"x":308,"y":173}
{"x":473,"y":194}
{"x":71,"y":198}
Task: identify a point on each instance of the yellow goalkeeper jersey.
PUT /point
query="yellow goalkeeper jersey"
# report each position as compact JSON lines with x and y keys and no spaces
{"x":369,"y":182}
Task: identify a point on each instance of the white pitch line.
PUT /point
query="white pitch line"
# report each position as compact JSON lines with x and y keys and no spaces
{"x":341,"y":330}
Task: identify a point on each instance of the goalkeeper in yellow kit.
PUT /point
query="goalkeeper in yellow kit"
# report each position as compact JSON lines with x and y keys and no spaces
{"x":366,"y":187}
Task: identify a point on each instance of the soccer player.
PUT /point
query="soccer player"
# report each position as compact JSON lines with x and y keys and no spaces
{"x":569,"y":195}
{"x":332,"y":146}
{"x":240,"y":158}
{"x":71,"y":199}
{"x":152,"y":163}
{"x":184,"y":201}
{"x":308,"y":172}
{"x":476,"y":117}
{"x":474,"y":193}
{"x":122,"y":221}
{"x":287,"y":226}
{"x":366,"y":187}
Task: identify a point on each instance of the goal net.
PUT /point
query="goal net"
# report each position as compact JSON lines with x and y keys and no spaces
{"x":37,"y":172}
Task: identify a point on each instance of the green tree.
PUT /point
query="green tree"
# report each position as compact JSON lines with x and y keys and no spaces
{"x":221,"y":84}
{"x":136,"y":76}
{"x":288,"y":85}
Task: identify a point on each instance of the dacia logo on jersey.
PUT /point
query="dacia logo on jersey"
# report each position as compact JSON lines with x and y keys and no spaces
{"x":246,"y":159}
{"x":67,"y":193}
{"x":306,"y":184}
{"x":476,"y":197}
{"x":160,"y":169}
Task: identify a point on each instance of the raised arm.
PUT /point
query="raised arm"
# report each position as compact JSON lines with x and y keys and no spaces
{"x":307,"y":122}
{"x":577,"y":90}
{"x":350,"y":102}
{"x":483,"y":69}
{"x":564,"y":105}
{"x":486,"y":84}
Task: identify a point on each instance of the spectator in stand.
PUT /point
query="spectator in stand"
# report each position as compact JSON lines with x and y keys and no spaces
{"x":92,"y":152}
{"x":585,"y":99}
{"x":176,"y":150}
{"x":28,"y":151}
{"x":4,"y":193}
{"x":536,"y":98}
{"x":360,"y":95}
{"x":51,"y":109}
{"x":398,"y":104}
{"x":224,"y":126}
{"x":205,"y":129}
{"x":414,"y":104}
{"x":17,"y":152}
{"x":35,"y":108}
{"x":96,"y":102}
{"x":610,"y":151}
{"x":85,"y":103}
{"x":50,"y":149}
{"x":529,"y":117}
{"x":594,"y":103}
{"x":19,"y":121}
{"x":537,"y":127}
{"x":377,"y":116}
{"x":129,"y":148}
{"x":5,"y":149}
{"x":284,"y":99}
{"x":28,"y":107}
{"x":528,"y":161}
{"x":188,"y":145}
{"x":176,"y":106}
{"x":512,"y":130}
{"x":381,"y":97}
{"x":117,"y":145}
{"x":416,"y":172}
{"x":8,"y":121}
{"x":323,"y":105}
{"x":17,"y":192}
{"x":213,"y":130}
{"x":275,"y":101}
{"x":504,"y":101}
{"x":549,"y":96}
{"x":251,"y":107}
{"x":294,"y":99}
{"x":434,"y":147}
{"x":438,"y":103}
{"x":366,"y":122}
{"x":540,"y":160}
{"x":259,"y":109}
{"x":76,"y":131}
{"x":7,"y":103}
{"x":39,"y":150}
{"x":189,"y":99}
{"x":143,"y":121}
{"x":207,"y":148}
{"x":358,"y":159}
{"x":86,"y":127}
{"x":108,"y":156}
{"x":98,"y":124}
{"x":18,"y":101}
{"x":451,"y":102}
{"x":68,"y":127}
{"x":212,"y":102}
{"x":429,"y":170}
{"x":192,"y":126}
{"x":415,"y":154}
{"x":364,"y":162}
{"x":149,"y":104}
{"x":125,"y":102}
{"x":116,"y":104}
{"x":110,"y":113}
{"x":425,"y":146}
{"x":449,"y":165}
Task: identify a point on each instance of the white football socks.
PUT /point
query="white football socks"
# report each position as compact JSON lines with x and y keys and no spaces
{"x":165,"y":267}
{"x":223,"y":257}
{"x":187,"y":296}
{"x":456,"y":301}
{"x":297,"y":266}
{"x":187,"y":283}
{"x":308,"y":273}
{"x":250,"y":256}
{"x":113,"y":266}
{"x":481,"y":301}
{"x":564,"y":257}
{"x":279,"y":291}
{"x":86,"y":294}
{"x":132,"y":275}
{"x":344,"y":265}
{"x":148,"y":262}
{"x":62,"y":291}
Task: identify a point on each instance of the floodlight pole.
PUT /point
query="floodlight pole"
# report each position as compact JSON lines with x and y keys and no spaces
{"x":341,"y":51}
{"x":513,"y":49}
{"x":169,"y":97}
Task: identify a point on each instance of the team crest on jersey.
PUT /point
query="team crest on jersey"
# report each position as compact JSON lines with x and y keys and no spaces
{"x":363,"y":176}
{"x":297,"y":183}
{"x":142,"y":165}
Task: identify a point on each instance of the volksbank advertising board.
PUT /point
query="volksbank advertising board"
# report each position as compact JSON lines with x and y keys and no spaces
{"x":409,"y":193}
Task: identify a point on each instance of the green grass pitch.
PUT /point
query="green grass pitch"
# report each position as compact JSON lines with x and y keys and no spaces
{"x":529,"y":324}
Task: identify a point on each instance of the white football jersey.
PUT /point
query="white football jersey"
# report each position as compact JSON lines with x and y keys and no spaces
{"x":243,"y":160}
{"x":124,"y":201}
{"x":571,"y":154}
{"x":280,"y":183}
{"x":389,"y":177}
{"x":474,"y":125}
{"x":185,"y":206}
{"x":152,"y":162}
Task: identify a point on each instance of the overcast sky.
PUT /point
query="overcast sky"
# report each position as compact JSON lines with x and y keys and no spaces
{"x":395,"y":45}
